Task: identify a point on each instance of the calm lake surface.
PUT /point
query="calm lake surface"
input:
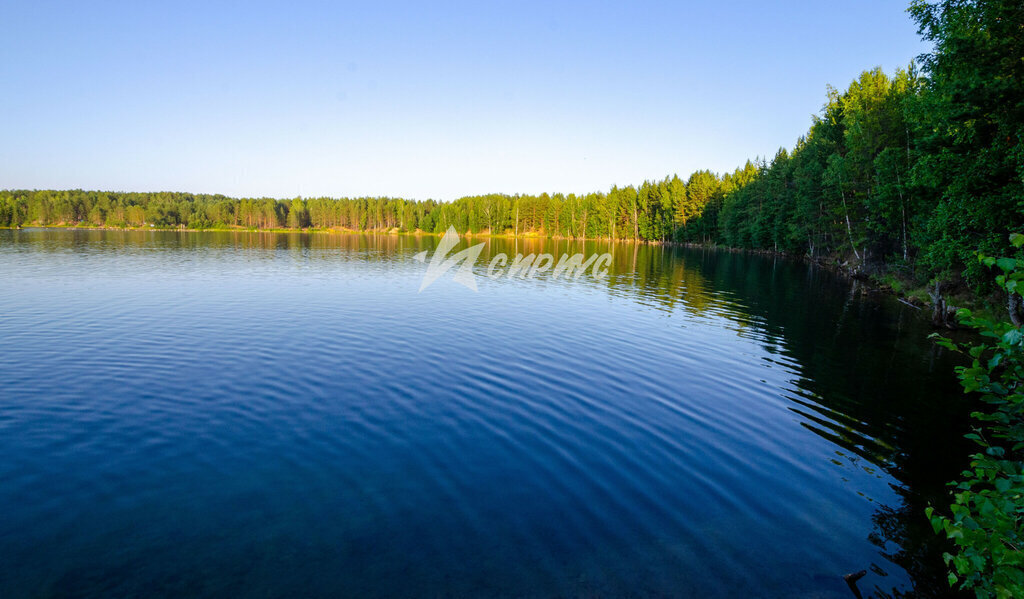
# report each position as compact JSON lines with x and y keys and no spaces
{"x":269,"y":415}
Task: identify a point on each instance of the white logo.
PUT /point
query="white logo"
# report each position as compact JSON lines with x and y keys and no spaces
{"x":522,"y":266}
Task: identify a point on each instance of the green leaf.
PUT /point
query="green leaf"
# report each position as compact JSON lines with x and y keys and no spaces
{"x":1007,"y":264}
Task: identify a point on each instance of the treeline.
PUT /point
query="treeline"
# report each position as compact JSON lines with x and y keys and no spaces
{"x":915,"y":171}
{"x":198,"y":211}
{"x":651,"y":212}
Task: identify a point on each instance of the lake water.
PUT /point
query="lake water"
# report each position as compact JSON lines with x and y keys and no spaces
{"x":269,"y":415}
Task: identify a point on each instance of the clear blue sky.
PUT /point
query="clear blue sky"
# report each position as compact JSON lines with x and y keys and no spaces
{"x":417,"y":100}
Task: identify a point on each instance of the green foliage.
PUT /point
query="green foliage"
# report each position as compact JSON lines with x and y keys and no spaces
{"x":986,"y":520}
{"x":969,"y":124}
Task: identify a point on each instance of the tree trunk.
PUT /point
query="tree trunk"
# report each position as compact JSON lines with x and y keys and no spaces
{"x":636,"y":224}
{"x":903,"y":211}
{"x":942,"y":313}
{"x":1016,"y":309}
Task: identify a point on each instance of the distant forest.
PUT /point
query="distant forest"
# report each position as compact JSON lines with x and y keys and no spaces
{"x":916,"y":171}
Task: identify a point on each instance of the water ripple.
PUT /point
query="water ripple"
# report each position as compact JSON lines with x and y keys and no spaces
{"x":250,"y":414}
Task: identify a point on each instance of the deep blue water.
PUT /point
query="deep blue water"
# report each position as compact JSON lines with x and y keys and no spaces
{"x":260,"y":415}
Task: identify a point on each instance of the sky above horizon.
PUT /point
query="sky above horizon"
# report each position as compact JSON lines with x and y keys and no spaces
{"x":400,"y":99}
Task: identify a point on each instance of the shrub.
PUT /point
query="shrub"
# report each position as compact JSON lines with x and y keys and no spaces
{"x":986,"y":520}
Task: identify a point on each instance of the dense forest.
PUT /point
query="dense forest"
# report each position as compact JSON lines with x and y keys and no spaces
{"x":911,"y":172}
